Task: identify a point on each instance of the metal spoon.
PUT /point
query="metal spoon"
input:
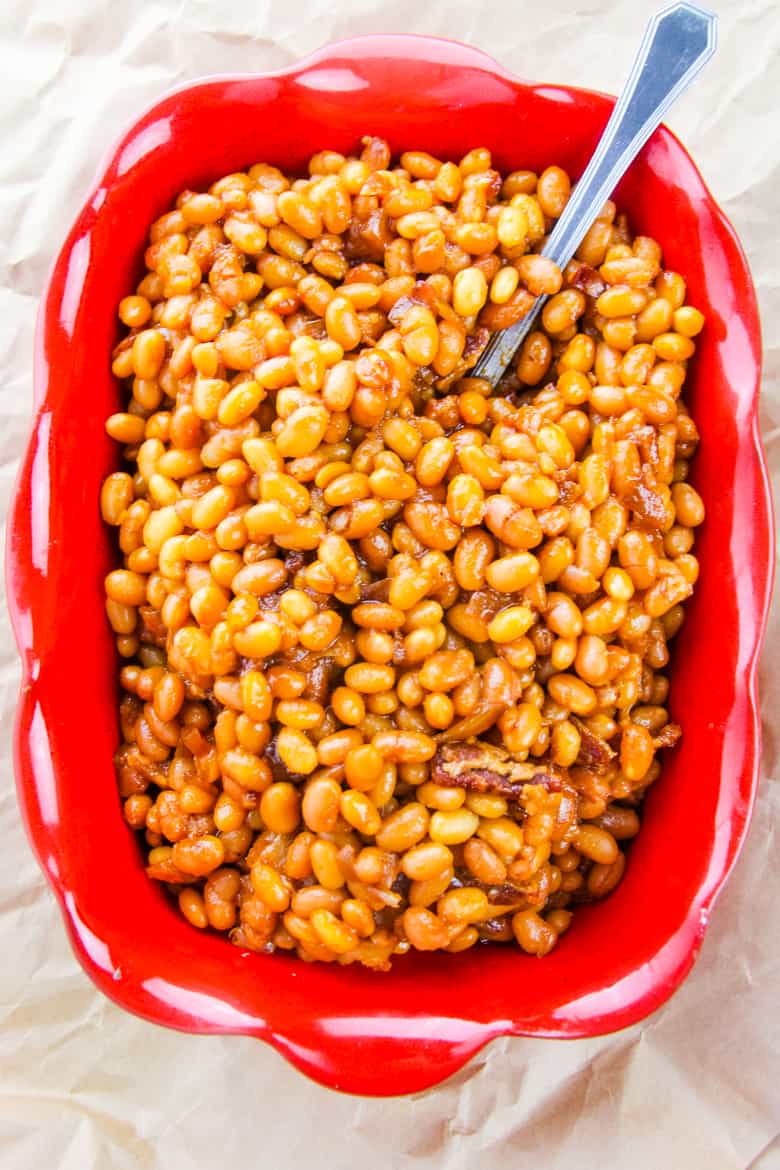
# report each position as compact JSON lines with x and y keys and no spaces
{"x":678,"y":41}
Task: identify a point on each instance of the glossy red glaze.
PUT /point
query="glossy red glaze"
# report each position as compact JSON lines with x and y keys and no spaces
{"x":349,"y":1028}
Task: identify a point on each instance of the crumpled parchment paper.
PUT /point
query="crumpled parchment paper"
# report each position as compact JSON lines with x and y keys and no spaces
{"x":84,"y":1086}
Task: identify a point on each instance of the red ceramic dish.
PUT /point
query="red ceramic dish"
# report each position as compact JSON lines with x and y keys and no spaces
{"x":346,"y":1027}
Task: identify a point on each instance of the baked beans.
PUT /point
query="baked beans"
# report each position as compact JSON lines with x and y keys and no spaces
{"x":391,"y":643}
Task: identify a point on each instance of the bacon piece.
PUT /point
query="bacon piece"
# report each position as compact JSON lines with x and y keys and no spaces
{"x":484,"y":603}
{"x":493,"y":185}
{"x":668,"y":736}
{"x":569,"y":490}
{"x":595,"y":752}
{"x":367,"y":239}
{"x":135,"y":771}
{"x":421,"y":294}
{"x":647,"y":441}
{"x":400,"y":309}
{"x":154,"y":632}
{"x":484,"y":767}
{"x":303,"y":323}
{"x":475,"y":343}
{"x":375,"y":590}
{"x":294,"y":561}
{"x":647,"y":503}
{"x":499,"y":894}
{"x":270,"y":601}
{"x":495,"y":930}
{"x":588,"y":281}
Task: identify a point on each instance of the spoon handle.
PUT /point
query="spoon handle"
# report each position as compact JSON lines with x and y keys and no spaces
{"x":678,"y":42}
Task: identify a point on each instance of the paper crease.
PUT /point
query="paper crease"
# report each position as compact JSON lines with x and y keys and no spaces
{"x":83,"y":1085}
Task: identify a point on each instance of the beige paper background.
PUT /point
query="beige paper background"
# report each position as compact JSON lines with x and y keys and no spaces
{"x":84,"y":1086}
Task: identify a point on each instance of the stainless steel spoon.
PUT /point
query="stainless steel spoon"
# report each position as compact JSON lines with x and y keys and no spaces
{"x":678,"y":42}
